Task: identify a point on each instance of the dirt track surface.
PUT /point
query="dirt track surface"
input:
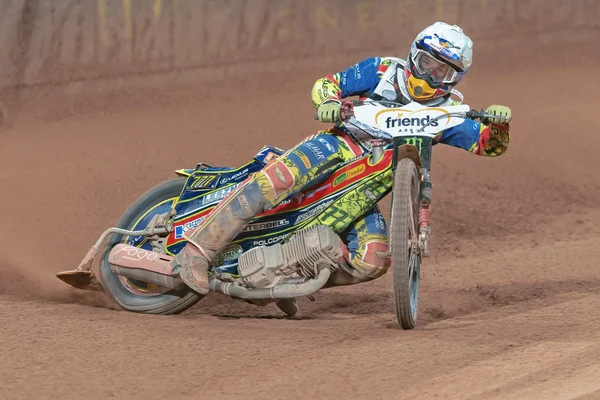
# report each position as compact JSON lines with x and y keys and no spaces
{"x":510,"y":298}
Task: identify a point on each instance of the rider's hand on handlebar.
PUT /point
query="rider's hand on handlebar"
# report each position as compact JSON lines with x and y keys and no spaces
{"x":329,"y":111}
{"x":347,"y":110}
{"x":504,"y":114}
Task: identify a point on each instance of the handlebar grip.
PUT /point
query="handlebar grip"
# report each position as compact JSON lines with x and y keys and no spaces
{"x":476,"y":114}
{"x":472,"y":114}
{"x":481,"y":115}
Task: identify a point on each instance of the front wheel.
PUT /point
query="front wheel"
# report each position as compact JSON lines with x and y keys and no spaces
{"x":406,"y":258}
{"x":138,"y":296}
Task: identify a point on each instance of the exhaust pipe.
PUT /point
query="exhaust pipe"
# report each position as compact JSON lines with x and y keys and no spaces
{"x":147,"y":276}
{"x":283,"y":291}
{"x":135,"y":263}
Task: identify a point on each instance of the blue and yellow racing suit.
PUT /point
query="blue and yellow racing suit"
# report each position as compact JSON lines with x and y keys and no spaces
{"x":362,"y":79}
{"x":366,"y":255}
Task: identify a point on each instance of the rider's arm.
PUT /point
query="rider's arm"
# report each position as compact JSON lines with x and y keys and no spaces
{"x":357,"y":79}
{"x":484,"y":140}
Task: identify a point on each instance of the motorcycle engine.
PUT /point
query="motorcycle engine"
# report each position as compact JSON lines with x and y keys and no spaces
{"x":293,"y":262}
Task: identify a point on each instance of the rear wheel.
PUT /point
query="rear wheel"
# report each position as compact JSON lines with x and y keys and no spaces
{"x":404,"y":236}
{"x":138,"y":296}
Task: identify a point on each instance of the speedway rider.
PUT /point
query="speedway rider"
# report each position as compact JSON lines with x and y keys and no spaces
{"x":439,"y":57}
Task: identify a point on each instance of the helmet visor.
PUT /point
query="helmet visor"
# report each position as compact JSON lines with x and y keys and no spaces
{"x":438,"y":71}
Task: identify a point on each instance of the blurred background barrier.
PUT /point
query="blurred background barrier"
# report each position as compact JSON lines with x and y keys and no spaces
{"x":99,"y":46}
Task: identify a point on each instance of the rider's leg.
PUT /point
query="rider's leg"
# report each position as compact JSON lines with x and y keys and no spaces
{"x":367,"y":254}
{"x":305,"y":165}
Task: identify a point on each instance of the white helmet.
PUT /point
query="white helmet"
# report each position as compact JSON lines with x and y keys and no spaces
{"x":439,"y":57}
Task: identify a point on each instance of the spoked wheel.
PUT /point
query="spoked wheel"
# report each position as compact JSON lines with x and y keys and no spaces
{"x":139,"y":296}
{"x":404,"y":236}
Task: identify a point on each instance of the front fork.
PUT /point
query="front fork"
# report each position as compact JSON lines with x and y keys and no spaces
{"x":424,"y":200}
{"x":425,"y":212}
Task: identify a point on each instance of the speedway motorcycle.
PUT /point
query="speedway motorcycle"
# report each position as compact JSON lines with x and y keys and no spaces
{"x":291,"y":250}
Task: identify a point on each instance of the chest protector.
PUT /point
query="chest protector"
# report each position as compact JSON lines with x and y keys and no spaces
{"x":391,"y":86}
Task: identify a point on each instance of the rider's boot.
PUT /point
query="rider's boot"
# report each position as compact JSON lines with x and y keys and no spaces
{"x":191,"y":264}
{"x":221,"y":226}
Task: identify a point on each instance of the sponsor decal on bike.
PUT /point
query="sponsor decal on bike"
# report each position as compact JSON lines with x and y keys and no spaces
{"x":235,"y":176}
{"x":181,"y":229}
{"x":349,"y":174}
{"x":358,"y":139}
{"x":409,"y":121}
{"x":414,"y":141}
{"x":266,"y":242}
{"x":218,"y":195}
{"x":266,"y":225}
{"x":405,"y":124}
{"x":371,"y":131}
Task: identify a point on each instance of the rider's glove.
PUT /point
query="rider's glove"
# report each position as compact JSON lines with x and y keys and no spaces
{"x":504,"y":114}
{"x":329,"y":111}
{"x":499,"y":130}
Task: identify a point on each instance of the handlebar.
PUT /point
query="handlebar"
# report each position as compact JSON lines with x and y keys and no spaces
{"x":347,"y":110}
